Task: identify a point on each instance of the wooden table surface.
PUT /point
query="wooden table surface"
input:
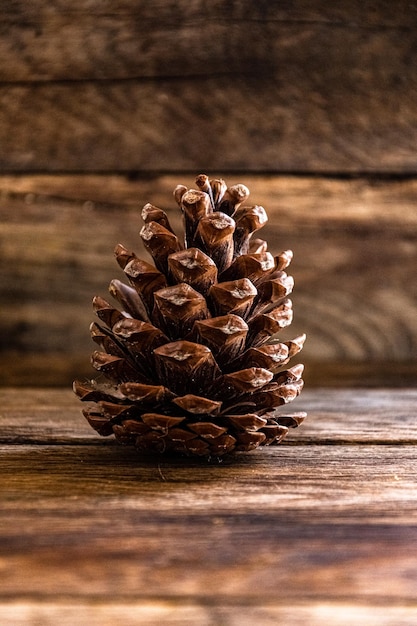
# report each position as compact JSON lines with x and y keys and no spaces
{"x":319,"y":530}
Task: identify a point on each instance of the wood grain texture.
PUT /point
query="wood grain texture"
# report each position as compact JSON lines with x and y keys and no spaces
{"x":237,"y":85}
{"x":123,"y":39}
{"x":354,"y":266}
{"x":106,"y":532}
{"x":171,"y":613}
{"x":31,"y":416}
{"x":253,"y":123}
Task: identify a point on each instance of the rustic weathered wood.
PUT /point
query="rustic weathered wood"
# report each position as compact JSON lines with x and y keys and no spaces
{"x":125,"y":39}
{"x":304,"y":533}
{"x":170,"y":613}
{"x":42,"y":416}
{"x":354,"y":266}
{"x":242,"y":85}
{"x":250,"y":123}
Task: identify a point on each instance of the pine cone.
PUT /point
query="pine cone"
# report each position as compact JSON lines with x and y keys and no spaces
{"x":190,"y":359}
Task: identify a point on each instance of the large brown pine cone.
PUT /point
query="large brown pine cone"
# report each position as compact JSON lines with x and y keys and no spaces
{"x":190,"y":359}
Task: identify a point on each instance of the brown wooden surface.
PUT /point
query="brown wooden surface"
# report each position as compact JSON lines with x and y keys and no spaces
{"x":355,"y":259}
{"x":124,"y":39}
{"x":319,"y":530}
{"x":261,"y":86}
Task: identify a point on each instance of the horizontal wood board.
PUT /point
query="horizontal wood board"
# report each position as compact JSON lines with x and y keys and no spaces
{"x":355,"y":255}
{"x":40,"y":416}
{"x":329,"y":519}
{"x":96,"y":39}
{"x":265,"y":86}
{"x":172,"y":613}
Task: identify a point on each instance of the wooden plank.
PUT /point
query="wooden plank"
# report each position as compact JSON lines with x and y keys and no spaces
{"x":352,"y":202}
{"x":350,"y":238}
{"x":254,"y":122}
{"x":335,"y":416}
{"x":125,"y":39}
{"x":171,"y":613}
{"x":320,"y":483}
{"x":41,"y":415}
{"x":352,"y":416}
{"x":76,"y":519}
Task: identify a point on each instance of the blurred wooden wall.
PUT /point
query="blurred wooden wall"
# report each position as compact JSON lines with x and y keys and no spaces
{"x":108,"y":104}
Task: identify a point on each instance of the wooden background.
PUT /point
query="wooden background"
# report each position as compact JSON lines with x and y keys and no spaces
{"x":108,"y":104}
